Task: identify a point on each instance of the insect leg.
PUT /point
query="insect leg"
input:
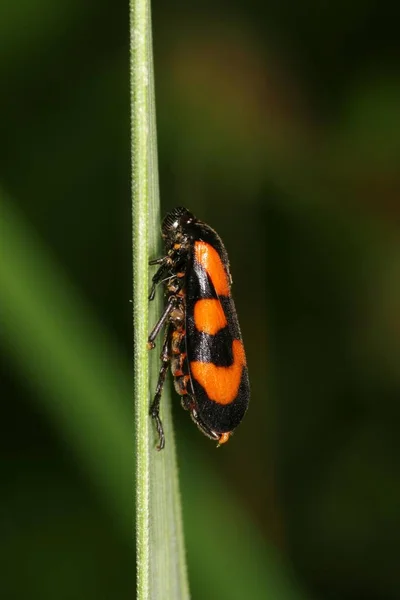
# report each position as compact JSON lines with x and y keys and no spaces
{"x":157,"y":261}
{"x":156,"y":329}
{"x":165,"y":265}
{"x":155,"y":405}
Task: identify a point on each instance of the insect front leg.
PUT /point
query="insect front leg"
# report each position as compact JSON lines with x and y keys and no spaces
{"x":155,"y":405}
{"x":165,"y":263}
{"x":157,"y":261}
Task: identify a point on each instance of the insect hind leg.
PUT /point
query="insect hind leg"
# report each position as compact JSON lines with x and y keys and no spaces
{"x":155,"y":405}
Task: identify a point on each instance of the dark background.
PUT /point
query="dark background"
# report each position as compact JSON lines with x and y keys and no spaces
{"x":279,"y":124}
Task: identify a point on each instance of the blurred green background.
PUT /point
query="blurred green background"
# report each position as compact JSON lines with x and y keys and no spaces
{"x":279,"y":124}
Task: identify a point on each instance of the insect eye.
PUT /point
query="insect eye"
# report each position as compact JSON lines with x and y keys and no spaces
{"x":171,"y":221}
{"x":175,"y":219}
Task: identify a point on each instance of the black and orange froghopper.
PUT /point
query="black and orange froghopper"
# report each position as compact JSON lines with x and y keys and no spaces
{"x":202,"y":341}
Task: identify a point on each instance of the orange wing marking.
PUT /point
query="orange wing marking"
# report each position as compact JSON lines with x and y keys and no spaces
{"x":210,"y":260}
{"x":209,"y":316}
{"x":221,"y":384}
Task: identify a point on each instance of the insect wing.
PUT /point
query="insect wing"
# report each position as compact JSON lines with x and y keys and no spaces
{"x":217,"y":362}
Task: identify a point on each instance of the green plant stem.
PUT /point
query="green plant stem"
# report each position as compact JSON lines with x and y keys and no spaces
{"x":161,"y":561}
{"x":140,"y":190}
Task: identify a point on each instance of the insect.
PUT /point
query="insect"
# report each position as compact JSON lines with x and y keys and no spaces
{"x":202,"y":340}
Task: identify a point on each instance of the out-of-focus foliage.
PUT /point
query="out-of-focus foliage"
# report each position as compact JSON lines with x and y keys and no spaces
{"x":279,"y":124}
